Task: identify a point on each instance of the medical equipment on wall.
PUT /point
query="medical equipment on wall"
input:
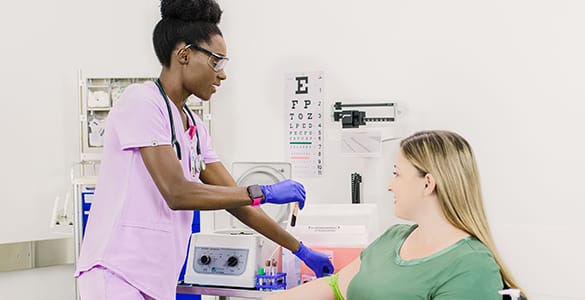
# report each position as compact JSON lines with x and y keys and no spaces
{"x":225,"y":258}
{"x":361,"y":142}
{"x":263,"y":173}
{"x":351,"y":118}
{"x":98,"y":94}
{"x":118,"y":86}
{"x":98,"y":98}
{"x":96,"y":123}
{"x":356,"y":187}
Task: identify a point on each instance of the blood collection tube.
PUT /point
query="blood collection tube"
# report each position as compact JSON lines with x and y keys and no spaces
{"x":269,"y":272}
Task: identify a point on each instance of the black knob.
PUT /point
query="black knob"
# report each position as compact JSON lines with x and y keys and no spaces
{"x":205,"y":259}
{"x":232,"y":261}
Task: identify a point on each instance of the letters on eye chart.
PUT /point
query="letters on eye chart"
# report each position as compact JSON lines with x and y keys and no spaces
{"x":304,"y":126}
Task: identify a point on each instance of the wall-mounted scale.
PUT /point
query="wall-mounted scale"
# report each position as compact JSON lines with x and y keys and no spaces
{"x":353,"y":118}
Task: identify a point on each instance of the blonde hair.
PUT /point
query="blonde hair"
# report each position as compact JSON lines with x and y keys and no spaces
{"x":449,"y":158}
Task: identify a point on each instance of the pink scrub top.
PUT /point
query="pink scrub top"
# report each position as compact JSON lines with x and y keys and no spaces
{"x":131,"y":230}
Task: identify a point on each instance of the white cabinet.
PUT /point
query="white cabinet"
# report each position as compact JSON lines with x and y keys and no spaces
{"x":97,"y":96}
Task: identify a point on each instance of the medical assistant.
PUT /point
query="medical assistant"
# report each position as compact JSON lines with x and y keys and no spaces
{"x":131,"y":231}
{"x":465,"y":270}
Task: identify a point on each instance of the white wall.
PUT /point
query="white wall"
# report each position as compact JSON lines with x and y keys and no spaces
{"x":508,"y":75}
{"x":44,"y":45}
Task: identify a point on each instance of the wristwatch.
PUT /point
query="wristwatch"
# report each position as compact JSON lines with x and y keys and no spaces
{"x":255,"y":193}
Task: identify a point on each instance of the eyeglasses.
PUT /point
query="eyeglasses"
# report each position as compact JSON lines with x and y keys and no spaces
{"x":216,"y":61}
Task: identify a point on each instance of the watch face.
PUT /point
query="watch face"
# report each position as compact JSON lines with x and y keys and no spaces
{"x":255,"y":191}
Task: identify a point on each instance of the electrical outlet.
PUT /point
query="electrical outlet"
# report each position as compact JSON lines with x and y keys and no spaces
{"x":62,"y":218}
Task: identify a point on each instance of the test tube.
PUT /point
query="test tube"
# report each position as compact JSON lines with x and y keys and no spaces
{"x":260,"y":279}
{"x":274,"y":269}
{"x":295,"y":212}
{"x":269,"y":270}
{"x":275,"y":272}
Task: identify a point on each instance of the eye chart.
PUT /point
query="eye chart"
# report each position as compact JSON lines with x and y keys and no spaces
{"x":304,"y":114}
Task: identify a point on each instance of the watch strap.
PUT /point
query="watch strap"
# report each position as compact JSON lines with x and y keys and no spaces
{"x":256,"y":201}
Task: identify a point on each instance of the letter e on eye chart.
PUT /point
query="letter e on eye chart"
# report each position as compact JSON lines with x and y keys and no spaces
{"x":303,"y":99}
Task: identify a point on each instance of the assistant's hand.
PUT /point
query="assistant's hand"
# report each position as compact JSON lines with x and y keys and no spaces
{"x":284,"y":192}
{"x":318,"y":262}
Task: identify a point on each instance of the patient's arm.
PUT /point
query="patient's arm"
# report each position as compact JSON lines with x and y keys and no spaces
{"x":320,"y":289}
{"x":346,"y":275}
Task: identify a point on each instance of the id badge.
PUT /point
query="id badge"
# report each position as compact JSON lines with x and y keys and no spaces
{"x":199,"y":163}
{"x":193,"y":163}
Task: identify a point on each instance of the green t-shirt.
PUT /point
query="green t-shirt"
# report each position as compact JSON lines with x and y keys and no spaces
{"x":465,"y":270}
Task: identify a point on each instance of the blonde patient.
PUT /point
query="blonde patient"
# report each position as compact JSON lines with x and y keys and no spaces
{"x":447,"y":254}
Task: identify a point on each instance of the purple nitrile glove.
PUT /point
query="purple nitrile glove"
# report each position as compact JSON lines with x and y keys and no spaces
{"x":318,"y":262}
{"x":284,"y":192}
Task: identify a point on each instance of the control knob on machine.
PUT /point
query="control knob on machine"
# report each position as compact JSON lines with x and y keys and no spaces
{"x":232,"y":261}
{"x":205,"y":259}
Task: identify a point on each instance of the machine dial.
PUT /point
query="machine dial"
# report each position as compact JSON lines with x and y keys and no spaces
{"x":232,"y":261}
{"x":205,"y":259}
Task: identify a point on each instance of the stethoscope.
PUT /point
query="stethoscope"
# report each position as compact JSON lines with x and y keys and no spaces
{"x":197,"y":162}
